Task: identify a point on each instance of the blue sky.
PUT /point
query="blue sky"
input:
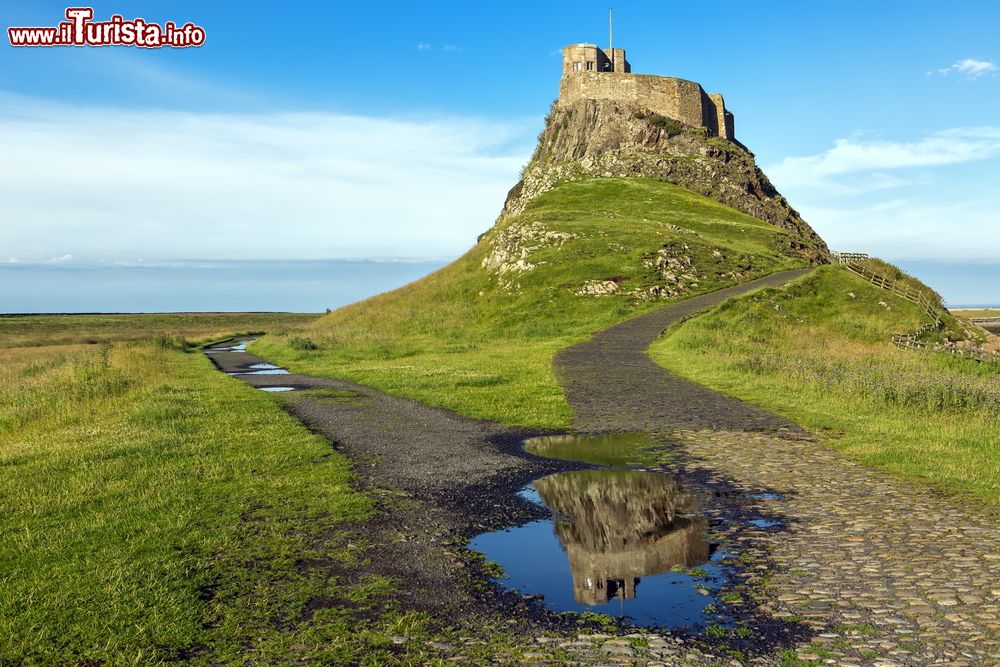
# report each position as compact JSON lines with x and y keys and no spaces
{"x":320,"y":130}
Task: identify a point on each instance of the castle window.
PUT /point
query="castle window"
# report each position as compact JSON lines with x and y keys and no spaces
{"x":577,"y":66}
{"x":590,"y":65}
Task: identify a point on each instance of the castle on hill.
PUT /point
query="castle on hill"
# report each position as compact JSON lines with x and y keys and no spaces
{"x":590,"y":73}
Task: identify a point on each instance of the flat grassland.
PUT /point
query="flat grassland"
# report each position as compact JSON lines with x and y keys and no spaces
{"x":814,"y":353}
{"x":972,"y":313}
{"x":38,"y":330}
{"x":458,"y":339}
{"x":155,"y":509}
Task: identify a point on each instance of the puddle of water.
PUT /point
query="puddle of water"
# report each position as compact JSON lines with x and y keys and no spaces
{"x":614,"y":449}
{"x":240,"y":347}
{"x":620,"y":542}
{"x":264,"y":366}
{"x":276,"y":389}
{"x":767,"y":495}
{"x":531,"y":495}
{"x":274,"y":371}
{"x":764,"y":523}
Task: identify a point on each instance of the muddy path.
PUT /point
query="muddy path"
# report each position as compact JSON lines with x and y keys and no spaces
{"x":440,"y":477}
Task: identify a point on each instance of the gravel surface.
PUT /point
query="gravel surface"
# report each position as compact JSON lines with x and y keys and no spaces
{"x":441,"y":479}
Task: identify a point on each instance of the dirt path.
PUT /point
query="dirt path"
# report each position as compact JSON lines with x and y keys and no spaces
{"x":884,"y":572}
{"x":447,"y":476}
{"x":613,"y":385}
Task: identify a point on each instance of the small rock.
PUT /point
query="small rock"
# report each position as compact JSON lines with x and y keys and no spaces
{"x":598,"y":288}
{"x":441,"y":646}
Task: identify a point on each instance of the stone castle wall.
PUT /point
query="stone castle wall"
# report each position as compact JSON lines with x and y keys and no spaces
{"x":591,"y":58}
{"x":588,"y":75}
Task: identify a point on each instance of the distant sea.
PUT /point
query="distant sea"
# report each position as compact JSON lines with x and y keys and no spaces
{"x":312,"y":286}
{"x":201,"y":286}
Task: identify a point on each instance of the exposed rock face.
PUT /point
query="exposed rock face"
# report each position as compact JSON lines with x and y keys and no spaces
{"x":607,"y":138}
{"x":513,"y":245}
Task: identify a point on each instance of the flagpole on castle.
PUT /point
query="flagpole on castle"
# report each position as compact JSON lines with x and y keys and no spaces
{"x":611,"y":40}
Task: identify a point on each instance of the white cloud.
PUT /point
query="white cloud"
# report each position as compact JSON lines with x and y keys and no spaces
{"x":873,"y":158}
{"x":917,"y":227}
{"x":62,"y":259}
{"x":12,"y":260}
{"x":447,"y":48}
{"x":108,"y":183}
{"x":934,"y":197}
{"x":969,"y":68}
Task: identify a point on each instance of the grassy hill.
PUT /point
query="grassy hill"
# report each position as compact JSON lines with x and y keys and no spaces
{"x":479,"y":335}
{"x":818,"y":350}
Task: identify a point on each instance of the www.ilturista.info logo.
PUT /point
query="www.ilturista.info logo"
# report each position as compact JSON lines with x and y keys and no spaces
{"x":81,"y":30}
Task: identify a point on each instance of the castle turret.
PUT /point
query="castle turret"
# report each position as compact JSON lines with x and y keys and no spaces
{"x":590,"y":72}
{"x":592,"y":58}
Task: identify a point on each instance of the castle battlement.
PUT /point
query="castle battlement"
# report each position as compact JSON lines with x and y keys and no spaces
{"x":590,"y":73}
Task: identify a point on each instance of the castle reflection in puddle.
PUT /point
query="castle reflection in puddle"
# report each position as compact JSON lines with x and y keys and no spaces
{"x":618,"y":526}
{"x":619,"y":542}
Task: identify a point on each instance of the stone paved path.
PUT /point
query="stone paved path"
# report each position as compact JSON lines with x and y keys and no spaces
{"x":886,"y":573}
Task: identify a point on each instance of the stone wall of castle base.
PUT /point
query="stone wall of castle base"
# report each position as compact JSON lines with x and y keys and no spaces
{"x":679,"y":99}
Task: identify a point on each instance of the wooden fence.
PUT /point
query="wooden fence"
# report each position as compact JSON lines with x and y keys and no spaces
{"x":852,"y":260}
{"x":911,"y":341}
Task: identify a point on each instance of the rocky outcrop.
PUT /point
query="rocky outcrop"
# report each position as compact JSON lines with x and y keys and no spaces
{"x":606,"y":139}
{"x":513,"y":246}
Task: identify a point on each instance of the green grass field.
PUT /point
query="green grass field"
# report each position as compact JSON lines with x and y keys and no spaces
{"x":812,"y":352}
{"x":970,"y":313}
{"x":155,"y":509}
{"x":459,"y":340}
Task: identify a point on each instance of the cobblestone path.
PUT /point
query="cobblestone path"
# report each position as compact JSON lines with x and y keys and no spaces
{"x":888,"y":573}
